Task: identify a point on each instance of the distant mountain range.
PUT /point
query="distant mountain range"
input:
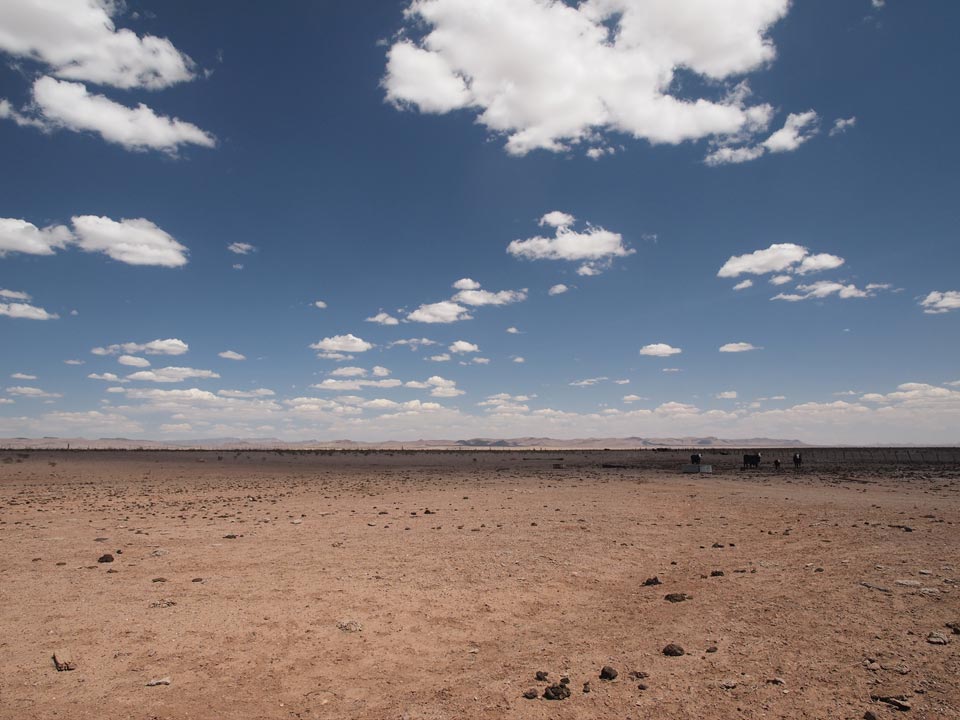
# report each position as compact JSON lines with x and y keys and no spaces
{"x":522,"y":443}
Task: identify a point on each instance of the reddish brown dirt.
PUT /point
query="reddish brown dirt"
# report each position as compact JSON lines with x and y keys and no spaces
{"x":518,"y":567}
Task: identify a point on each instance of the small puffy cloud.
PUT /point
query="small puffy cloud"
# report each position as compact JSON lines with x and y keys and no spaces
{"x":659,"y":350}
{"x":727,"y":395}
{"x":355,"y":384}
{"x":743,"y":284}
{"x":135,"y":242}
{"x":776,"y":258}
{"x":170,"y":346}
{"x":73,"y":362}
{"x":513,"y":331}
{"x":841,"y":125}
{"x":816,"y":263}
{"x":69,"y":105}
{"x":778,"y":280}
{"x":738,"y":347}
{"x":462,"y":346}
{"x":106,"y":377}
{"x":798,"y":128}
{"x":589,"y":382}
{"x":348,"y":343}
{"x":258,"y":393}
{"x":670,"y":370}
{"x":24,"y":237}
{"x":632,"y":398}
{"x":445,"y":311}
{"x":171,"y":374}
{"x":320,"y":304}
{"x":441,"y":387}
{"x":80,"y":41}
{"x":825,"y":288}
{"x":558,"y":289}
{"x":480,"y":361}
{"x":594,"y":246}
{"x":231,"y":355}
{"x":31,"y":392}
{"x":380,"y":371}
{"x":477,"y":298}
{"x":519,"y":359}
{"x":938,"y":302}
{"x":23,"y":376}
{"x":241,"y":248}
{"x":413,"y":343}
{"x":349,"y":371}
{"x":442,"y":357}
{"x":733,"y":155}
{"x":466,"y":284}
{"x":133,"y":361}
{"x":557,"y":219}
{"x":13,"y":295}
{"x":382,"y":318}
{"x":621,"y":382}
{"x":25,"y":311}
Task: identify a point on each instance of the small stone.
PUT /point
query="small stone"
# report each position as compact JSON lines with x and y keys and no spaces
{"x":869,"y":715}
{"x":673,"y":650}
{"x":776,"y":681}
{"x":542,"y":675}
{"x":712,"y":649}
{"x":197,"y":580}
{"x":639,"y":675}
{"x":716,"y":545}
{"x":108,"y":558}
{"x":556,"y":692}
{"x":159,"y":681}
{"x":651,"y":581}
{"x":63,"y":661}
{"x":586,"y":687}
{"x":564,"y":680}
{"x":676,"y":597}
{"x":716,"y":573}
{"x":349,"y":626}
{"x":608,"y":673}
{"x":897,"y":701}
{"x":908,"y":583}
{"x":531,"y":694}
{"x":874,"y":666}
{"x":937,"y":638}
{"x":231,"y":536}
{"x":728,"y":684}
{"x":159,"y":579}
{"x":641,"y":686}
{"x":955,"y":627}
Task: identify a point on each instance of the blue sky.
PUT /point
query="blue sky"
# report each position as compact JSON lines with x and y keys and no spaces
{"x":598,"y":177}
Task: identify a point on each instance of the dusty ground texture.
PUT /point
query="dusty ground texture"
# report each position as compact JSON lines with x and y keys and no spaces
{"x":436,"y":585}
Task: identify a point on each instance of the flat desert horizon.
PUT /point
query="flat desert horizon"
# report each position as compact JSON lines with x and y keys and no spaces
{"x":438,"y":584}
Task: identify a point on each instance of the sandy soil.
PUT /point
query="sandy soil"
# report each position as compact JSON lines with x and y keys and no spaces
{"x":435,"y":585}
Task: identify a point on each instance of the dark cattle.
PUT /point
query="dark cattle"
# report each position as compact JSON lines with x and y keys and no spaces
{"x":751,"y":460}
{"x":776,"y":464}
{"x":695,"y":459}
{"x":797,"y":460}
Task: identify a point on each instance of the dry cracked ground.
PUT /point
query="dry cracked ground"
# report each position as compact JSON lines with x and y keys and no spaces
{"x":438,"y":584}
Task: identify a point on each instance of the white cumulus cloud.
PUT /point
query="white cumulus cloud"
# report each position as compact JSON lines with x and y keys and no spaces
{"x":348,"y":343}
{"x":937,"y":302}
{"x":231,"y":355}
{"x":738,"y":347}
{"x":445,"y":311}
{"x":171,"y":374}
{"x":659,"y":350}
{"x":594,"y":246}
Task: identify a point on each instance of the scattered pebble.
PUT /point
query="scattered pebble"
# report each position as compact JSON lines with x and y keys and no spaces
{"x":937,"y":638}
{"x":349,"y":626}
{"x":542,"y":675}
{"x":556,"y":692}
{"x":716,"y":573}
{"x":159,"y":681}
{"x":651,"y":581}
{"x":531,"y":694}
{"x":608,"y":673}
{"x":108,"y":558}
{"x":673,"y":650}
{"x":677,"y":597}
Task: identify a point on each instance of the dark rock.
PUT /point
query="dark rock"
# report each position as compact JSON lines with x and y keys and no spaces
{"x":642,"y":686}
{"x":639,"y":675}
{"x":197,"y":580}
{"x":160,"y":579}
{"x":608,"y":673}
{"x":542,"y":675}
{"x":531,"y":694}
{"x":676,"y":597}
{"x":586,"y":687}
{"x":955,"y":627}
{"x":673,"y":650}
{"x":869,"y":715}
{"x":231,"y":536}
{"x":712,"y":649}
{"x":716,"y":545}
{"x":105,"y":558}
{"x":564,"y":680}
{"x":651,"y":581}
{"x":898,"y":701}
{"x":716,"y":573}
{"x":557,"y":692}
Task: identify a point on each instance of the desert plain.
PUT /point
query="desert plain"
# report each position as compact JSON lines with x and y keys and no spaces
{"x":429,"y":585}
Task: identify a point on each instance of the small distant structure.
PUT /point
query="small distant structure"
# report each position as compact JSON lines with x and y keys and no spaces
{"x":698,"y":468}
